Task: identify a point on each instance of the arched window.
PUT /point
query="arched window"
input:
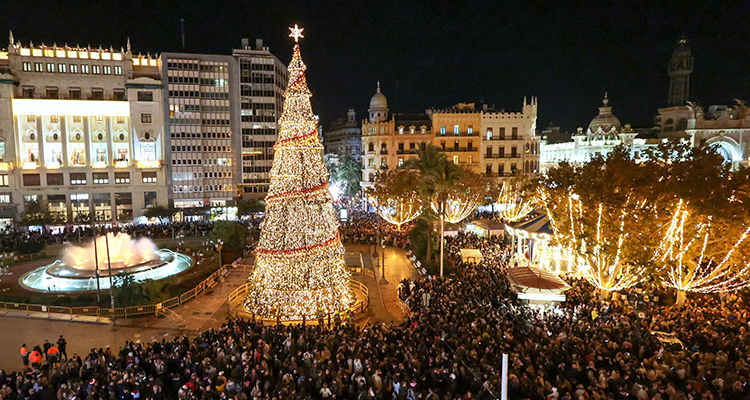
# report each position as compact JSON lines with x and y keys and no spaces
{"x":371,"y":146}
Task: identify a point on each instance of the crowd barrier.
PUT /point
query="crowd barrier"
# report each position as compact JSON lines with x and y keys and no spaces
{"x":237,"y":309}
{"x":125,"y":312}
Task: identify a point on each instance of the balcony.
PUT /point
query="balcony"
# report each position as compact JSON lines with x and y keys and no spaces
{"x":461,"y":149}
{"x":460,"y":134}
{"x":383,"y":152}
{"x":384,"y":168}
{"x":505,"y":138}
{"x":511,"y":155}
{"x":406,"y":151}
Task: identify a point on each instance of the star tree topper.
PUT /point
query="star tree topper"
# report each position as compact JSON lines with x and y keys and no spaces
{"x":296,"y":33}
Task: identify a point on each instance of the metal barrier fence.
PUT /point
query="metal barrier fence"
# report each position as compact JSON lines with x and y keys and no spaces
{"x":127,"y":311}
{"x":237,"y":310}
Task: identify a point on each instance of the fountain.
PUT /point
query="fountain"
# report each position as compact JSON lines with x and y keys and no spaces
{"x":76,"y":272}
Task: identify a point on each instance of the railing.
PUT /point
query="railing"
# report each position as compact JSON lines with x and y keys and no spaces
{"x":240,"y":293}
{"x":126,"y":311}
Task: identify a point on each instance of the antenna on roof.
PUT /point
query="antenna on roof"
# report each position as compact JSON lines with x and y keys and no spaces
{"x":182,"y":32}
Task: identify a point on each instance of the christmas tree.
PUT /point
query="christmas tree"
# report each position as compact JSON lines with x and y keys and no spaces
{"x":300,"y":269}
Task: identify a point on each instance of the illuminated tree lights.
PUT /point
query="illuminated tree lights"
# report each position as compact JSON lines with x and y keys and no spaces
{"x":599,"y":251}
{"x":516,"y":206}
{"x":300,"y":269}
{"x":690,"y":266}
{"x":395,"y":196}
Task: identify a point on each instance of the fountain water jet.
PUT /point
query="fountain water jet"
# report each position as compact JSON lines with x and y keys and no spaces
{"x":76,"y":272}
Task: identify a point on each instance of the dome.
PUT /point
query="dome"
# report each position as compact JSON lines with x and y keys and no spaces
{"x":378,"y":100}
{"x":605,"y":119}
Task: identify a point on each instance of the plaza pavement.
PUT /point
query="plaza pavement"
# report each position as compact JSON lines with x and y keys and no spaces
{"x":208,"y":310}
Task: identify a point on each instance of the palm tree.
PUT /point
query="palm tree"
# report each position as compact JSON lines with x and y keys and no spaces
{"x":350,"y":173}
{"x":442,"y":181}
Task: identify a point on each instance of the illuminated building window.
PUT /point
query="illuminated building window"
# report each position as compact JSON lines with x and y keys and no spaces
{"x":101,"y":178}
{"x":107,"y":70}
{"x":77,"y":118}
{"x":50,"y":67}
{"x":4,"y":182}
{"x":73,"y":68}
{"x":146,"y":118}
{"x":75,"y":94}
{"x":55,"y":119}
{"x":30,"y":118}
{"x":118,"y":70}
{"x":85,"y":68}
{"x":27,"y":66}
{"x":149,"y":199}
{"x":78,"y":178}
{"x":5,"y":198}
{"x":122,"y":177}
{"x":62,"y":68}
{"x":38,"y":67}
{"x":455,"y":129}
{"x":442,"y":130}
{"x":96,"y":69}
{"x":470,"y":130}
{"x":148,"y":176}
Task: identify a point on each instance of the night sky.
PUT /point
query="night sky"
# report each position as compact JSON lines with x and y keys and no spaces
{"x":438,"y":53}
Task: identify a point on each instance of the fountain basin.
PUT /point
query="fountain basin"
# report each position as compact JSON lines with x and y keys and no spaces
{"x":59,"y":277}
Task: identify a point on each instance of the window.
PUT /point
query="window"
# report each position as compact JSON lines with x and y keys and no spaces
{"x":27,"y":92}
{"x":52,"y":93}
{"x":489,"y":133}
{"x":146,"y":118}
{"x":107,"y":70}
{"x":84,"y":68}
{"x":4,"y":199}
{"x":62,"y":68}
{"x":118,"y":70}
{"x":26,"y":66}
{"x":73,"y":68}
{"x":4,"y":180}
{"x":400,"y":130}
{"x":501,"y":151}
{"x":501,"y":169}
{"x":514,"y":152}
{"x":442,"y":130}
{"x":470,"y":129}
{"x":145,"y":96}
{"x":75,"y":94}
{"x":148,"y":176}
{"x":488,"y":169}
{"x":514,"y":133}
{"x":470,"y":145}
{"x":30,"y":118}
{"x":78,"y":178}
{"x":149,"y":199}
{"x":119,"y":94}
{"x":32,"y":180}
{"x":50,"y":67}
{"x":55,"y":119}
{"x":455,"y":159}
{"x":513,"y":168}
{"x":96,"y":69}
{"x":122,"y":177}
{"x":371,"y":162}
{"x":455,"y":129}
{"x":101,"y":178}
{"x":455,"y":145}
{"x":442,"y":145}
{"x":384,"y":162}
{"x":38,"y":67}
{"x":371,"y":146}
{"x":97,"y":94}
{"x":55,"y":180}
{"x":501,"y":133}
{"x":77,"y":118}
{"x":488,"y":154}
{"x":400,"y":162}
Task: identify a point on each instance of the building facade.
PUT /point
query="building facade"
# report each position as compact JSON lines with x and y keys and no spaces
{"x":344,"y":138}
{"x":81,"y":132}
{"x":604,"y":133}
{"x":509,"y":144}
{"x":388,"y":141}
{"x":201,"y":119}
{"x":262,"y":82}
{"x":457,"y":134}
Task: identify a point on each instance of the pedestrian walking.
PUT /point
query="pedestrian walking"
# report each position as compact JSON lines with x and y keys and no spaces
{"x":62,"y":345}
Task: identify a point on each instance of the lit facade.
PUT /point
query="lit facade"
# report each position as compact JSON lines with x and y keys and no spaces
{"x":388,"y":141}
{"x":457,"y":134}
{"x":262,"y":81}
{"x":509,"y":144}
{"x":604,"y":133}
{"x":200,"y":118}
{"x":344,"y":137}
{"x":81,"y":131}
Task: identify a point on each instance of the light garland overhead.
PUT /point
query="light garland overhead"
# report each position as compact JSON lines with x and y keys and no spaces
{"x":395,"y":196}
{"x":516,"y":205}
{"x":300,"y":270}
{"x":689,"y":266}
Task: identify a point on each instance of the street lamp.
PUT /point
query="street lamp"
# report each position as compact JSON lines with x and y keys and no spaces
{"x":219,"y":245}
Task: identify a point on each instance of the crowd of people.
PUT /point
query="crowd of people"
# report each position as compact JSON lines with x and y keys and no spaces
{"x":362,"y":227}
{"x":630,"y":346}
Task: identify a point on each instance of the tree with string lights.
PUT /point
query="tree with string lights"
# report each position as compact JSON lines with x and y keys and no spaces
{"x":518,"y":200}
{"x":703,"y":254}
{"x":395,"y":196}
{"x":300,"y":270}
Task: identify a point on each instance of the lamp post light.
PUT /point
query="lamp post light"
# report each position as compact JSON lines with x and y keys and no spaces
{"x":219,"y":245}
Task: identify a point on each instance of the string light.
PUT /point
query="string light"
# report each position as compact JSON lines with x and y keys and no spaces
{"x":300,"y":268}
{"x":458,"y":206}
{"x":516,"y":206}
{"x":395,"y":196}
{"x":688,"y":266}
